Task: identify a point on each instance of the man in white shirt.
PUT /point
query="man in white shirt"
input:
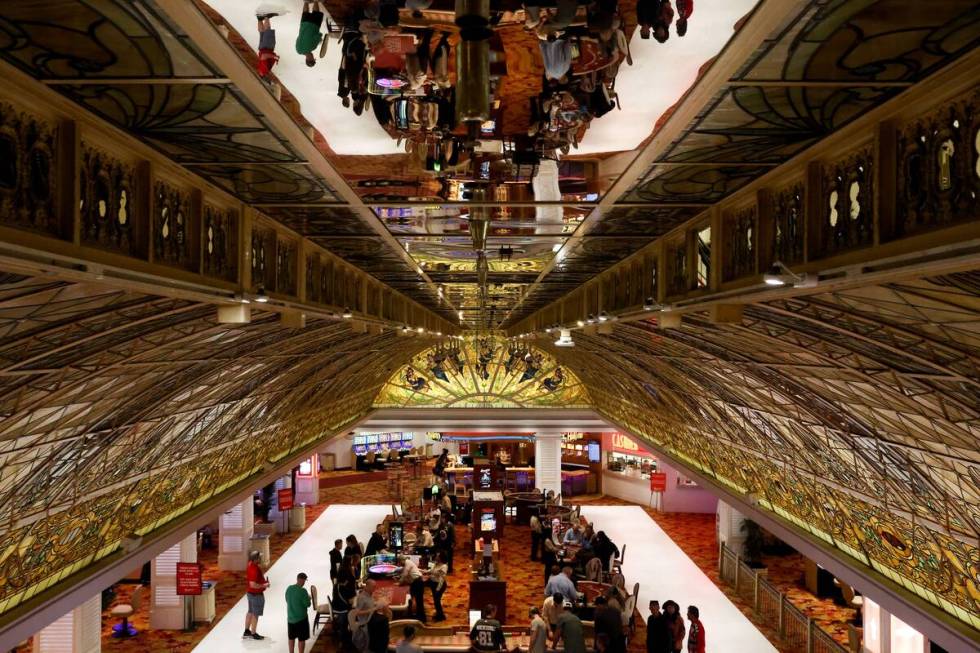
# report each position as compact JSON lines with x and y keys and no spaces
{"x":561,"y":583}
{"x":573,"y":536}
{"x":412,"y":576}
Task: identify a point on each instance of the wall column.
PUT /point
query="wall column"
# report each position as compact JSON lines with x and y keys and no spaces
{"x":275,"y":515}
{"x":235,"y":529}
{"x":547,"y":461}
{"x":729,"y":527}
{"x":79,"y":631}
{"x":166,"y":608}
{"x":308,"y":481}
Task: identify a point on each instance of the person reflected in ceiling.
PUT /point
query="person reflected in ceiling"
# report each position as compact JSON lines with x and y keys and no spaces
{"x":554,"y":381}
{"x":267,"y":42}
{"x":417,"y":383}
{"x":436,"y":365}
{"x":684,"y":10}
{"x":532,"y":365}
{"x":310,"y":37}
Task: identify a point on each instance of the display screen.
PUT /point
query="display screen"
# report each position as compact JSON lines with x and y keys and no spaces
{"x":435,"y":489}
{"x":372,"y":439}
{"x":595,"y":454}
{"x":486,"y":478}
{"x":488,"y":522}
{"x":396,"y":535}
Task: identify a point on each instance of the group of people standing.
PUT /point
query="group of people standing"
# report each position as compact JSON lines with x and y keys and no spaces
{"x":666,"y":631}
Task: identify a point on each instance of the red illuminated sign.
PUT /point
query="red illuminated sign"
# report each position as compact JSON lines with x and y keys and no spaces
{"x":188,"y":579}
{"x":658,"y":482}
{"x":285,"y":499}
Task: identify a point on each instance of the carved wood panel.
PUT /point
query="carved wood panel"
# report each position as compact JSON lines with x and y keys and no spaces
{"x":173,"y":226}
{"x":741,"y":233}
{"x":788,"y":225}
{"x":848,"y":203}
{"x":109,"y":202}
{"x":220,"y":243}
{"x":28,"y":179}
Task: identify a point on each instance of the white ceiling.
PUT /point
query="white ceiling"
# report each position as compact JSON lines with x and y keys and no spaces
{"x":659,"y":76}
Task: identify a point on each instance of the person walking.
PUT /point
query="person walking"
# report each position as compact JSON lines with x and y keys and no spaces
{"x":310,"y":37}
{"x":695,"y":634}
{"x":569,"y":631}
{"x":675,"y":626}
{"x":297,"y":621}
{"x":255,"y":587}
{"x":437,"y":582}
{"x":658,"y":635}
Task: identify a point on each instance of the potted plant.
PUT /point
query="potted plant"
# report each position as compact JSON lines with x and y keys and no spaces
{"x":752,"y":548}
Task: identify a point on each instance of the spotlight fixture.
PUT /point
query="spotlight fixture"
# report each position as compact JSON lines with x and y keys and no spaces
{"x":565,"y":339}
{"x":241,"y":299}
{"x":591,"y":319}
{"x":260,"y":295}
{"x":650,"y":304}
{"x":603,"y":316}
{"x":347,"y":314}
{"x":780,"y":275}
{"x":420,"y":330}
{"x":547,"y":329}
{"x":580,"y":323}
{"x":405,"y":329}
{"x":556,"y":247}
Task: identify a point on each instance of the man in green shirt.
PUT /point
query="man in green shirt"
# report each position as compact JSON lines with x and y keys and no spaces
{"x":309,"y":37}
{"x":297,"y":622}
{"x":569,"y":631}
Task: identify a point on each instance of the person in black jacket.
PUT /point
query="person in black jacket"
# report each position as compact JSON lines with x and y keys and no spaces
{"x":336,"y":559}
{"x":379,"y":631}
{"x":658,"y":634}
{"x":609,"y":622}
{"x":377,"y":543}
{"x":604,"y":549}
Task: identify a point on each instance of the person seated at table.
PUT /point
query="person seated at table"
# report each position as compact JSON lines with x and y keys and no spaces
{"x":407,"y":643}
{"x":609,"y":621}
{"x":562,"y":583}
{"x":425,"y":542}
{"x":573,"y":535}
{"x":588,"y":536}
{"x":412,"y":576}
{"x":550,"y":610}
{"x":487,"y":634}
{"x":377,"y":543}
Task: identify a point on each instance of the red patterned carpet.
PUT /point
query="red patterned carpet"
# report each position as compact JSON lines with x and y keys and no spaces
{"x":694,"y":533}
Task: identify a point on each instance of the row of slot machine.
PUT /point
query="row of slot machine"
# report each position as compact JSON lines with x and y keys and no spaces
{"x":378,"y":442}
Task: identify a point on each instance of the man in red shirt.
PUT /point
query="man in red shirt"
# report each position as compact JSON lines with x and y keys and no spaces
{"x":695,"y":634}
{"x":267,"y":44}
{"x":256,"y":584}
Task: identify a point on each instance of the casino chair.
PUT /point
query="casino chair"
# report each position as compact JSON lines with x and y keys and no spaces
{"x":396,"y":629}
{"x":124,"y":611}
{"x":616,"y":564}
{"x":324,"y":611}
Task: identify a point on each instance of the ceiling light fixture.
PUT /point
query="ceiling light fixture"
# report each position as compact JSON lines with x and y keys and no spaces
{"x":580,"y":323}
{"x":565,"y":339}
{"x":556,"y":247}
{"x":650,"y":304}
{"x":591,"y":319}
{"x":347,"y":314}
{"x":420,"y":330}
{"x":603,"y":316}
{"x":780,"y":275}
{"x":260,"y":295}
{"x":241,"y":298}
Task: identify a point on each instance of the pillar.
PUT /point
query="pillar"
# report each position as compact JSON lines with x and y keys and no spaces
{"x":547,"y":462}
{"x":308,"y":481}
{"x":79,"y":631}
{"x":729,"y":527}
{"x":166,"y":607}
{"x":275,"y":515}
{"x":235,"y":529}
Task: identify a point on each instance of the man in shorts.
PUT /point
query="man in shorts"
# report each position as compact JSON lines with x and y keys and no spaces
{"x":309,"y":37}
{"x":256,"y":585}
{"x":297,"y":622}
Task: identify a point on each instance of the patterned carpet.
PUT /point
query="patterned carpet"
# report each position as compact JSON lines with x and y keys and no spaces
{"x":694,"y":533}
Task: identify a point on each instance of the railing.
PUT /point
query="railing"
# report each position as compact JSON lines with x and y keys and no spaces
{"x":797,"y":631}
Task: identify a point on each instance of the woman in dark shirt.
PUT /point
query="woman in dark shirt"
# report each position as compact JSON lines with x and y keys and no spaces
{"x":604,"y":549}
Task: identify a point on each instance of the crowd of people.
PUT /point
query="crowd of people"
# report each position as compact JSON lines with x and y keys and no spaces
{"x":569,"y":547}
{"x":395,"y":60}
